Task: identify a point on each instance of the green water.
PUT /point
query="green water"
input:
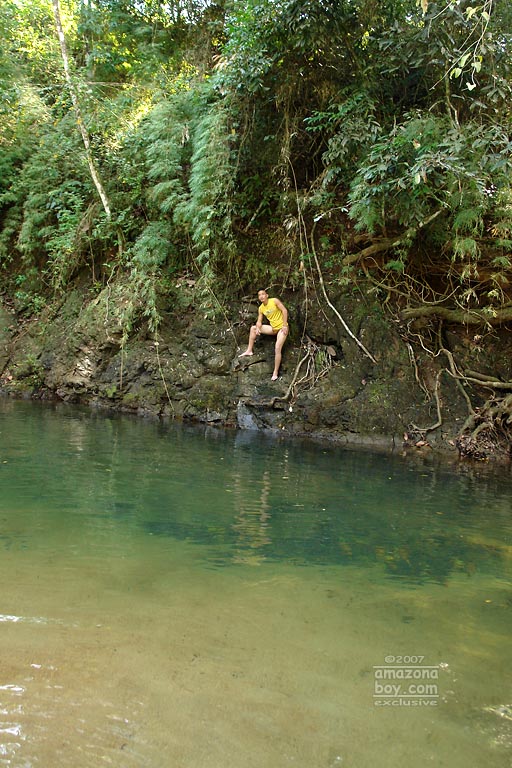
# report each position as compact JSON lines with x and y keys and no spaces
{"x":176,"y":596}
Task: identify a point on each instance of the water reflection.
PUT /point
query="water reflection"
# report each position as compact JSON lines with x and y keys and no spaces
{"x":252,"y":520}
{"x":250,"y":497}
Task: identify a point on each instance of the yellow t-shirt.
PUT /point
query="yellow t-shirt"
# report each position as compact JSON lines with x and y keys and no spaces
{"x":273,"y":314}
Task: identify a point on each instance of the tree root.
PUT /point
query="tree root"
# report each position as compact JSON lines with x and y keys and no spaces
{"x":487,"y":429}
{"x":417,"y":435}
{"x":331,"y":305}
{"x":279,"y":398}
{"x":307,"y":380}
{"x":471,"y":448}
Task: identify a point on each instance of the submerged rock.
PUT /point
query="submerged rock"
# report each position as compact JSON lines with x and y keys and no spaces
{"x":500,"y":710}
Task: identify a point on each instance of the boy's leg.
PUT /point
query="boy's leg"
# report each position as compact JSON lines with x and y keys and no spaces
{"x":281,"y":338}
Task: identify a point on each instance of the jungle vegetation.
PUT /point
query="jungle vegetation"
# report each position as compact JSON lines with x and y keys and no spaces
{"x":238,"y":142}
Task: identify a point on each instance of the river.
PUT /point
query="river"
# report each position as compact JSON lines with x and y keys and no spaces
{"x":190,"y":597}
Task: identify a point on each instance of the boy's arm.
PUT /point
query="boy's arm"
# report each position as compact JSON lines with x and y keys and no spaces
{"x":281,"y":306}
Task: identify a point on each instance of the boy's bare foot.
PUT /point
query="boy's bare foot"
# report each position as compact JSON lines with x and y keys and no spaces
{"x":246,"y":353}
{"x":274,"y":377}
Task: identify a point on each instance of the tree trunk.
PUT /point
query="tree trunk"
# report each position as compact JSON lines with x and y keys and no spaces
{"x":76,"y":105}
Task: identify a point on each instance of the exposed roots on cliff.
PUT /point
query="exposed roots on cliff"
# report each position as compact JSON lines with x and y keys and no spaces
{"x":487,"y":429}
{"x":313,"y":365}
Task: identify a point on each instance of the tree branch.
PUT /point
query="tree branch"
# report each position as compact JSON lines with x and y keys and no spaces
{"x":460,"y":316}
{"x":389,"y":242}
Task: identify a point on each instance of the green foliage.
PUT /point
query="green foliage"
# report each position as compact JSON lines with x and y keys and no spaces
{"x":214,"y":125}
{"x":426,"y":164}
{"x":53,"y":202}
{"x":31,"y":370}
{"x":465,"y":248}
{"x":150,"y":252}
{"x":351,"y":129}
{"x":26,"y":298}
{"x":449,"y":60}
{"x":206,"y":211}
{"x":30,"y":45}
{"x":166,"y":136}
{"x":396,"y":265}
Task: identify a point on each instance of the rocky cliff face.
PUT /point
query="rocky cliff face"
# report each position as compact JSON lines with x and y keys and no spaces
{"x":328,"y":389}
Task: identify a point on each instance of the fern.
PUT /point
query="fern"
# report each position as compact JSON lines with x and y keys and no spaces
{"x":205,"y":214}
{"x":465,"y":248}
{"x":153,"y":247}
{"x":468,"y":220}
